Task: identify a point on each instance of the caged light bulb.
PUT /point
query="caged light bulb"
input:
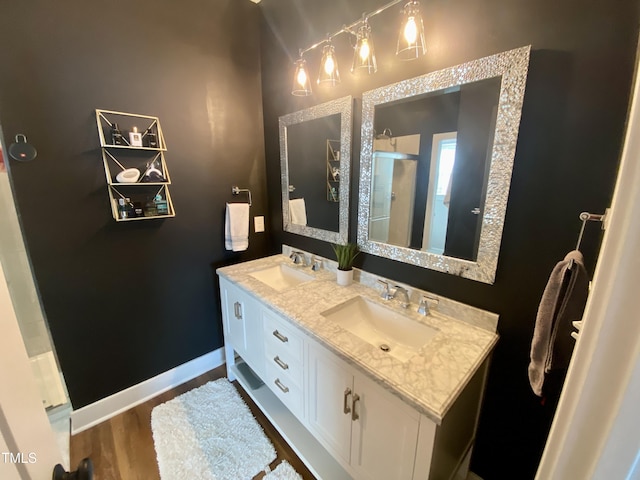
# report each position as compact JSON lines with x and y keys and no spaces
{"x":411,"y":31}
{"x":364,"y":49}
{"x":329,"y":65}
{"x":302,"y":77}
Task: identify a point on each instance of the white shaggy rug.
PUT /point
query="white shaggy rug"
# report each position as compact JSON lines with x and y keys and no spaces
{"x":209,"y":433}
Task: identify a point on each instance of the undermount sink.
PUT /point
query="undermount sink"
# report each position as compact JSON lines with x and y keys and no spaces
{"x":280,"y":277}
{"x":399,"y":336}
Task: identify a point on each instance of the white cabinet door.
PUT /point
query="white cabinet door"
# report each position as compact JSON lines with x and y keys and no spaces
{"x":234,"y":310}
{"x":330,"y":394}
{"x":242,"y":326}
{"x":384,"y":433}
{"x":373,"y":432}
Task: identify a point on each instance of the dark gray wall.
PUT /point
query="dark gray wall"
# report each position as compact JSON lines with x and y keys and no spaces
{"x":127,"y":301}
{"x":566,"y":162}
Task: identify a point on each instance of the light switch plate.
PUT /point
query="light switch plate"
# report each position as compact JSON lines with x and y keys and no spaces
{"x":258,"y":224}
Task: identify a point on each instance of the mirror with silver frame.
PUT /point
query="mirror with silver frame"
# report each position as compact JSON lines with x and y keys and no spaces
{"x":435,"y":165}
{"x":315,"y":162}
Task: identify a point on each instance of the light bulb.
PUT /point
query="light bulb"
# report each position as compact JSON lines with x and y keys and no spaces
{"x":411,"y":43}
{"x":329,"y":65}
{"x":302,"y":77}
{"x":364,"y":49}
{"x":411,"y":31}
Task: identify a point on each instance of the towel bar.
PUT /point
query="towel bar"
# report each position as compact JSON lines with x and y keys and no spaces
{"x":236,"y":191}
{"x":590,"y":217}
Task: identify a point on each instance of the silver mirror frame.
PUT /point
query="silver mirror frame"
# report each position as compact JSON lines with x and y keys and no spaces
{"x":344,"y":107}
{"x":512,"y":66}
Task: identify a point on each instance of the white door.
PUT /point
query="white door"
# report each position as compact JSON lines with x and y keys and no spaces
{"x":443,"y":154}
{"x":384,"y":433}
{"x":330,"y":391}
{"x":27,"y":442}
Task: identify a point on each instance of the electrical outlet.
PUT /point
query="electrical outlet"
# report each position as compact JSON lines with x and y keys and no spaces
{"x":258,"y":224}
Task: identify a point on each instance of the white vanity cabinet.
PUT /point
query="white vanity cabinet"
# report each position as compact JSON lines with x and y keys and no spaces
{"x":337,"y":418}
{"x":242,"y":326}
{"x":372,"y":432}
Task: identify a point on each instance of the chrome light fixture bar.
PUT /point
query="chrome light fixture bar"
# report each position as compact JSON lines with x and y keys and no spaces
{"x":411,"y":45}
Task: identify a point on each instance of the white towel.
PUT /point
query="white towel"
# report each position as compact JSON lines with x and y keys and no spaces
{"x":298,"y":211}
{"x":236,"y":228}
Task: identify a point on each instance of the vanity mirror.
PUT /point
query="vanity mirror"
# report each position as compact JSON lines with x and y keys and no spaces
{"x":315,"y":162}
{"x":435,"y":165}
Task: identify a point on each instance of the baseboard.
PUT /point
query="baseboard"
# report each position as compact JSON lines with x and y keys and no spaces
{"x":90,"y":415}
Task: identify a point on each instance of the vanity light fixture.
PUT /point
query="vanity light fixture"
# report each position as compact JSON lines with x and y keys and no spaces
{"x":364,"y":55}
{"x":411,"y":43}
{"x":301,"y":81}
{"x":329,"y":73}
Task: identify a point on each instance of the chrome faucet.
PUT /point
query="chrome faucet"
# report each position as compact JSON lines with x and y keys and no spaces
{"x":386,"y":294}
{"x":389,"y":294}
{"x":423,"y":307}
{"x":316,"y":264}
{"x":404,"y":300}
{"x":298,"y":258}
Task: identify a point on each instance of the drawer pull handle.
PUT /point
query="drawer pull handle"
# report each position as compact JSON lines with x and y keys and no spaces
{"x":237,"y":310}
{"x":345,"y":406}
{"x":354,"y":414}
{"x":280,"y":363}
{"x":282,"y":387}
{"x":280,"y":337}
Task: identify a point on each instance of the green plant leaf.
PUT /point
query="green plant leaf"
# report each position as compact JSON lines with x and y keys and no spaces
{"x":345,"y":254}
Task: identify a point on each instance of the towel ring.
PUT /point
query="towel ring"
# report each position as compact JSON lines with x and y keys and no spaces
{"x":237,"y":190}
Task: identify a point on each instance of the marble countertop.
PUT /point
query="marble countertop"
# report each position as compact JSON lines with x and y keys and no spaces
{"x":430,"y":381}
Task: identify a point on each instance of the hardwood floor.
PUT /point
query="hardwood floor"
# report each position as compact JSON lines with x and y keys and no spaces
{"x":121,"y":448}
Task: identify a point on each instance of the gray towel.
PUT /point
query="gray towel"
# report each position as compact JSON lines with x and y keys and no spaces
{"x":562,"y":302}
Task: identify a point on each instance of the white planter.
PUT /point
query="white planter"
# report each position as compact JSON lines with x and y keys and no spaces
{"x":345,"y":277}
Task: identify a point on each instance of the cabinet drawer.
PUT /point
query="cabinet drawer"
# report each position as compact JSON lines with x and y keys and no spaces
{"x":285,"y":390}
{"x":284,"y":363}
{"x":282,"y":336}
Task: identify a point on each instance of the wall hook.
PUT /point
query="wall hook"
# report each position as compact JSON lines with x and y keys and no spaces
{"x":21,"y":150}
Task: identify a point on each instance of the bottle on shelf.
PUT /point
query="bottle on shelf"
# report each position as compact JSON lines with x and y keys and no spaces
{"x":162,"y":206}
{"x":116,"y":135}
{"x":135,"y":138}
{"x":131,"y":212}
{"x":123,"y":212}
{"x":150,"y":138}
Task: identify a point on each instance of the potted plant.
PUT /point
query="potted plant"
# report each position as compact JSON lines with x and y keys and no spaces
{"x":345,"y":254}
